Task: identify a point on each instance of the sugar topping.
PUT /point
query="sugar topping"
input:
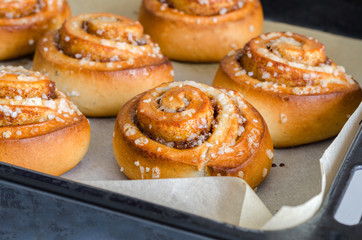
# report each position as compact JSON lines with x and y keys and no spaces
{"x":6,"y":134}
{"x":141,"y":141}
{"x":156,"y":172}
{"x":310,"y":76}
{"x":122,"y":36}
{"x":283,"y":118}
{"x":270,"y":153}
{"x":23,"y":107}
{"x":129,"y":130}
{"x":227,"y":113}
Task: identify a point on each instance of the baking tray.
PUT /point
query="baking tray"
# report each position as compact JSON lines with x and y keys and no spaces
{"x":37,"y":206}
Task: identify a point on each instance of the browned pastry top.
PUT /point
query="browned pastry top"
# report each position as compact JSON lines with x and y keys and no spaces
{"x":302,"y":94}
{"x":103,"y":40}
{"x":204,"y":7}
{"x":292,"y":63}
{"x":15,"y":12}
{"x":180,"y":126}
{"x":204,"y":11}
{"x":30,"y":105}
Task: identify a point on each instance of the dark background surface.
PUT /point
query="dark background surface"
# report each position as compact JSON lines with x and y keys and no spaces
{"x":343,"y":17}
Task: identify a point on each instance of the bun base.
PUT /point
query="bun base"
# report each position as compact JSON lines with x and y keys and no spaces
{"x":53,"y":153}
{"x":193,"y":38}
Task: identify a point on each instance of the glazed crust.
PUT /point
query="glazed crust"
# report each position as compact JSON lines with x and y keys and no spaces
{"x":40,"y":129}
{"x":237,"y":143}
{"x":97,"y":86}
{"x":198,"y":38}
{"x":297,"y":110}
{"x":20,"y":35}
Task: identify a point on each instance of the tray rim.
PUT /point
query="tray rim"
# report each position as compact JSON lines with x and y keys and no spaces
{"x":321,"y":225}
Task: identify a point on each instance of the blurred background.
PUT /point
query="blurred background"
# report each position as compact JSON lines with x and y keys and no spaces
{"x":342,"y":17}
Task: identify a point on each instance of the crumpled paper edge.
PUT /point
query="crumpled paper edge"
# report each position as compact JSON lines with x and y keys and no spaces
{"x":231,"y":200}
{"x":287,"y":216}
{"x":225,"y":199}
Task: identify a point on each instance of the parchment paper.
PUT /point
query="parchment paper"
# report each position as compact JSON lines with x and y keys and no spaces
{"x":289,"y":196}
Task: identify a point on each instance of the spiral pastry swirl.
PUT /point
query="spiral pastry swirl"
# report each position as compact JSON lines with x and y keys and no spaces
{"x":301,"y":93}
{"x":107,"y":38}
{"x":22,"y":23}
{"x":101,"y":60}
{"x":18,"y":9}
{"x":201,"y":31}
{"x":37,"y":122}
{"x":187,"y":129}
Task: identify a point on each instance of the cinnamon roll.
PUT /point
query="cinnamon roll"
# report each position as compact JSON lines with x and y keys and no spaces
{"x":40,"y":128}
{"x":201,"y":31}
{"x":100,"y":61}
{"x":22,"y":23}
{"x":188,"y":129}
{"x":301,"y":93}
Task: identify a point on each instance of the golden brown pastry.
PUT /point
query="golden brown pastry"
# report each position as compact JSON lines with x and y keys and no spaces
{"x":302,"y":94}
{"x":40,"y":128}
{"x":100,"y":61}
{"x":22,"y":23}
{"x":201,"y":31}
{"x":188,"y":129}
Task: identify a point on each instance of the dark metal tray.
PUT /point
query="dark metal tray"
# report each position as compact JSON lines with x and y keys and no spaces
{"x":37,"y":206}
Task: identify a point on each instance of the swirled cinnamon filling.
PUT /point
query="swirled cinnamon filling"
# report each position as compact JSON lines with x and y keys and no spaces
{"x":289,"y":60}
{"x":183,"y":116}
{"x":105,"y":38}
